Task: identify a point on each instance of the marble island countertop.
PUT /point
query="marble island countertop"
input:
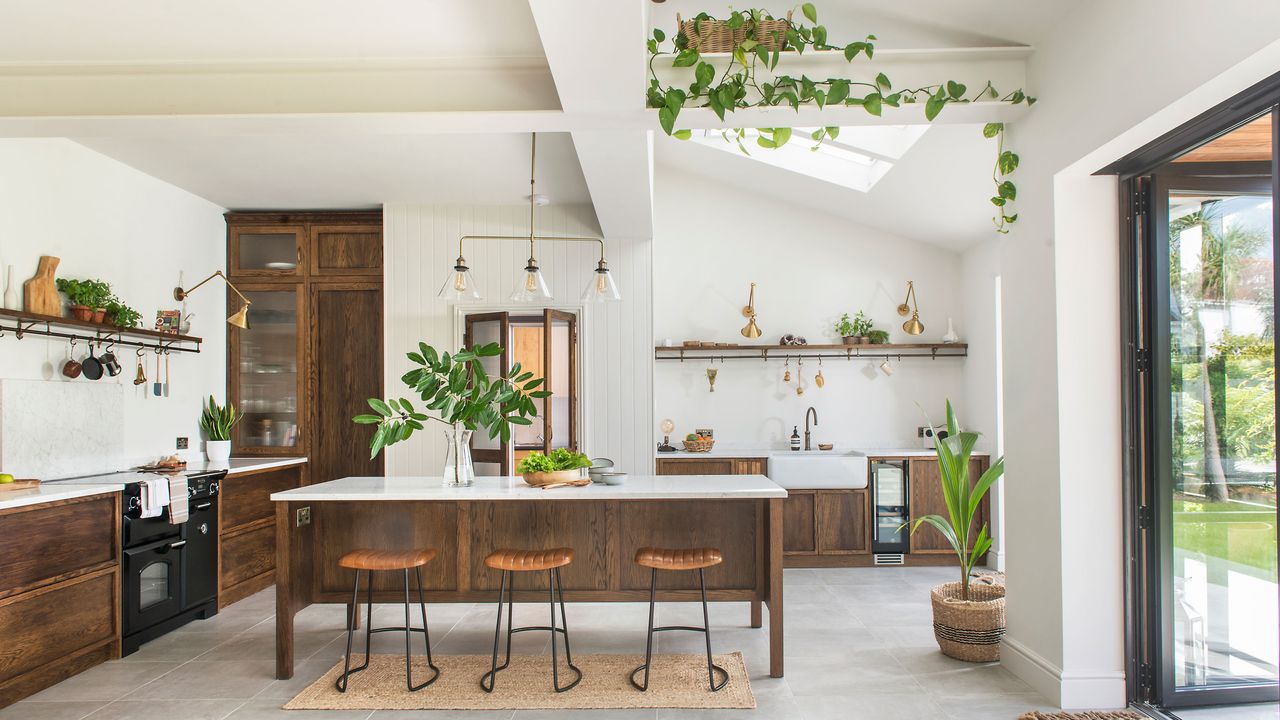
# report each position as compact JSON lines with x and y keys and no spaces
{"x":636,"y":487}
{"x":729,"y":452}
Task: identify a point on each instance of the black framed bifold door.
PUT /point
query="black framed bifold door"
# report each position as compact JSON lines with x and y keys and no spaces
{"x":1204,"y":604}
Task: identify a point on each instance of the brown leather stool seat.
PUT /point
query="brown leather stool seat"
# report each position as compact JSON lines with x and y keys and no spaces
{"x":679,"y":559}
{"x":365,"y":559}
{"x":529,"y":560}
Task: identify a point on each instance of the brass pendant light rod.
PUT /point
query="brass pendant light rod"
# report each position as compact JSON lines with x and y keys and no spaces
{"x":239,"y":318}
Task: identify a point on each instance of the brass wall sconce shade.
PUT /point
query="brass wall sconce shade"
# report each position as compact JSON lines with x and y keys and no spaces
{"x":912,"y":326}
{"x":239,"y":318}
{"x":751,"y":330}
{"x":460,"y":287}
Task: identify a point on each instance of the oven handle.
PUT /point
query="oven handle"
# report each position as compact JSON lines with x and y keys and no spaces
{"x":178,"y":544}
{"x":204,"y":506}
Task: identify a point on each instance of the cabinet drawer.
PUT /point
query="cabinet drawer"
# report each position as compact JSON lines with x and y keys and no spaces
{"x":57,"y":539}
{"x":47,"y":625}
{"x":247,"y":498}
{"x":248,"y":554}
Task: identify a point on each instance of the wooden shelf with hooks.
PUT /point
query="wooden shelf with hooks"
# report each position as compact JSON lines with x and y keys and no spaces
{"x":21,"y":324}
{"x":828,"y":352}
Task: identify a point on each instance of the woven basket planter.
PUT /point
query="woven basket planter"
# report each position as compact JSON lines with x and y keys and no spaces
{"x":969,"y":630}
{"x":715,"y":36}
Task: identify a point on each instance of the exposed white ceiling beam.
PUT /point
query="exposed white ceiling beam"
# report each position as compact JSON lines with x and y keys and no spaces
{"x":604,"y":72}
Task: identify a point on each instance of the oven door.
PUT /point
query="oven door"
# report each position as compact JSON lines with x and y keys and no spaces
{"x":152,"y":583}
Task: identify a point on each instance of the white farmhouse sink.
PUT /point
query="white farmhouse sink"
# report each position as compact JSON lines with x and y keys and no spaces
{"x":819,"y":469}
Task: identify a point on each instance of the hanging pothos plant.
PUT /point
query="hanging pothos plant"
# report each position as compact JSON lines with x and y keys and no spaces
{"x":738,"y":87}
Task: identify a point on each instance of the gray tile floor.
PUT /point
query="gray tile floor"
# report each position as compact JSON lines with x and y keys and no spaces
{"x":858,"y":645}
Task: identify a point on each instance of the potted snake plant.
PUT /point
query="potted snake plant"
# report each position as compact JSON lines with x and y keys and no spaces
{"x":968,"y":618}
{"x":217,"y":421}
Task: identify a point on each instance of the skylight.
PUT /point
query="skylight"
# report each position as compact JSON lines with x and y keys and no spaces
{"x":857,"y":159}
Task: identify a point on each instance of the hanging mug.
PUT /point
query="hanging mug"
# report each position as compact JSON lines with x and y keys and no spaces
{"x":109,"y":363}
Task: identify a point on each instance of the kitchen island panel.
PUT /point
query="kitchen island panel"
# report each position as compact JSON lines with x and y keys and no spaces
{"x":348,"y":526}
{"x":731,"y":526}
{"x":588,"y":528}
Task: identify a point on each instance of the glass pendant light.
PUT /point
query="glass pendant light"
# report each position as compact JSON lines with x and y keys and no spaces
{"x":601,"y":288}
{"x":460,"y":286}
{"x":534,"y":287}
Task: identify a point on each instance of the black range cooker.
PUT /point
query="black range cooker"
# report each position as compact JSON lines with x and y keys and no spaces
{"x":170,"y":572}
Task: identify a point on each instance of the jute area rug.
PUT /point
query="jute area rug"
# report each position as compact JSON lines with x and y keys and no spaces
{"x":1114,"y":715}
{"x":676,"y":681}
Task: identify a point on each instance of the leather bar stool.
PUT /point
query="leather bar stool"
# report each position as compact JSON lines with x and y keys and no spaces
{"x":371,"y":561}
{"x":512,"y":561}
{"x":683,"y":559}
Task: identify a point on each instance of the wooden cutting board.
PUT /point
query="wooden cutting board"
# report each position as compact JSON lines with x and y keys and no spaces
{"x":20,"y":485}
{"x":40,"y":293}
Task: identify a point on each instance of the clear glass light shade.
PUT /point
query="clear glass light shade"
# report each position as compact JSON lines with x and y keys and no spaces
{"x":532,"y":288}
{"x":460,"y":286}
{"x":601,"y":288}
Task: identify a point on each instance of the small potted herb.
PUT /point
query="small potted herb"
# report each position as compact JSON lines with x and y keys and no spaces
{"x":855,"y":331}
{"x":88,"y":298}
{"x":122,"y":315}
{"x":561,"y":465}
{"x":878,"y":337}
{"x":217,"y":422}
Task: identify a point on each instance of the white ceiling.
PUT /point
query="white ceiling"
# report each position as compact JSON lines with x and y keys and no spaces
{"x":150,"y":31}
{"x":936,"y":193}
{"x":318,"y":172}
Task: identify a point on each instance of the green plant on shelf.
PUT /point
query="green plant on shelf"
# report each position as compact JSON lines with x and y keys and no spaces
{"x":122,"y":315}
{"x":859,"y":326}
{"x":87,"y":293}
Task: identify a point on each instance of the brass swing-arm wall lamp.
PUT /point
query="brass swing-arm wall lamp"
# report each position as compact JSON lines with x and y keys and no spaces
{"x":460,"y":286}
{"x":239,"y":318}
{"x":749,"y":311}
{"x":912,"y":326}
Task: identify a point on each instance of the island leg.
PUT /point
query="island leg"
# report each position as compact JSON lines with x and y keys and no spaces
{"x":757,"y":613}
{"x":774,"y":576}
{"x":284,"y":594}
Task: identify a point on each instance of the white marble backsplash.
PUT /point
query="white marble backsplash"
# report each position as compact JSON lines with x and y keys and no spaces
{"x":54,"y":429}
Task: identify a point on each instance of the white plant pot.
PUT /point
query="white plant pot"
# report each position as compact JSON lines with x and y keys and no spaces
{"x":217,"y":450}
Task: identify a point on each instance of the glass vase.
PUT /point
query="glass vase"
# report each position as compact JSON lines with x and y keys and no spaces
{"x":458,"y":470}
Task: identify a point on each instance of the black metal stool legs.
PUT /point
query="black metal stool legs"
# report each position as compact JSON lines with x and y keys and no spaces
{"x":488,"y":680}
{"x":408,"y":630}
{"x":712,"y":668}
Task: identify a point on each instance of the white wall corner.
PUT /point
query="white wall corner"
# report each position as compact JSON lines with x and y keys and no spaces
{"x":1068,"y":690}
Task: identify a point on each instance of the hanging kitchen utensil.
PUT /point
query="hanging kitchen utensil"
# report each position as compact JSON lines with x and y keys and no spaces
{"x":711,"y":377}
{"x":156,"y":388}
{"x":91,"y":365}
{"x":141,"y":377}
{"x":799,"y":376}
{"x":818,"y":379}
{"x":786,"y":372}
{"x":166,"y":373}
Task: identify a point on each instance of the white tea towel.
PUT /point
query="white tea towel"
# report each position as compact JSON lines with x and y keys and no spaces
{"x":177,"y":499}
{"x":155,"y":496}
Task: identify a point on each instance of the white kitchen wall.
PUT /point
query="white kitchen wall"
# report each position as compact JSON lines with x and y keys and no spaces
{"x":711,"y":242}
{"x":107,"y":220}
{"x":421,"y":243}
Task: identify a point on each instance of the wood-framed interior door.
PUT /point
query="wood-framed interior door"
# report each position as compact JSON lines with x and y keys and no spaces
{"x":482,"y":329}
{"x":560,"y":365}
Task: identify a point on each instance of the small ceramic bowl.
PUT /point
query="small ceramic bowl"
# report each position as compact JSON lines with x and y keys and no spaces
{"x":825,"y":446}
{"x":610,"y":478}
{"x":599,"y":465}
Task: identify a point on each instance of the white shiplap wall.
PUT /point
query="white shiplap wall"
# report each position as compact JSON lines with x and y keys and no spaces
{"x":421,"y":242}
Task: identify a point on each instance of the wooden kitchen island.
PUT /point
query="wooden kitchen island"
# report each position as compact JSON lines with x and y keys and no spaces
{"x":740,"y":514}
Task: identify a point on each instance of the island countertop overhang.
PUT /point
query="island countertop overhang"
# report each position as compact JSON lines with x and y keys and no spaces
{"x":637,"y":487}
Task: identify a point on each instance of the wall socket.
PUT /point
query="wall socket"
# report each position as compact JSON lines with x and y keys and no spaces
{"x":920,"y":431}
{"x":183,"y":443}
{"x":304,"y":516}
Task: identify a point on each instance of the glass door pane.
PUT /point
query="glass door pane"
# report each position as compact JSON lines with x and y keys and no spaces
{"x":1216,"y":500}
{"x":266,"y":251}
{"x":267,"y":357}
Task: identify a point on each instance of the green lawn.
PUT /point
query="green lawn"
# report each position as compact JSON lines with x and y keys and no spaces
{"x":1244,"y":534}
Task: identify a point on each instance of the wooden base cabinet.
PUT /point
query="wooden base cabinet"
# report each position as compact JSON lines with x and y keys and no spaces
{"x":247,"y":530}
{"x":825,"y":523}
{"x":712,"y":466}
{"x":924,"y":488}
{"x":59,"y":593}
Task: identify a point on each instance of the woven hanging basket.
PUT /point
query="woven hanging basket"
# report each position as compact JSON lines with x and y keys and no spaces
{"x":715,"y":36}
{"x":969,"y":630}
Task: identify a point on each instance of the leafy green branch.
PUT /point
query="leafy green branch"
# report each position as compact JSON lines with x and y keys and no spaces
{"x":460,"y":392}
{"x":742,"y":84}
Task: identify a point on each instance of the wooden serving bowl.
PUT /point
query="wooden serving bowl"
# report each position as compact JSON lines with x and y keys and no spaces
{"x":539,"y":479}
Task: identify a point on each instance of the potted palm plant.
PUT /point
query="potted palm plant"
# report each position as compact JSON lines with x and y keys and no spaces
{"x":217,"y":421}
{"x":465,"y":399}
{"x":968,"y":618}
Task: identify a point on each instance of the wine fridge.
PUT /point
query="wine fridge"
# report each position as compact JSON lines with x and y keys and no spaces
{"x":889,"y":493}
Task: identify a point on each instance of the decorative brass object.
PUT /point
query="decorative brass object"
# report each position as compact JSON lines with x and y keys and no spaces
{"x":818,"y":379}
{"x":239,"y":318}
{"x":799,"y":376}
{"x":751,"y":330}
{"x":711,"y":378}
{"x":912,"y":326}
{"x":786,"y":372}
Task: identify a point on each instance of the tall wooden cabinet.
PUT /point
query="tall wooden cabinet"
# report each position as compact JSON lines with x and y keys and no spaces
{"x":313,"y":352}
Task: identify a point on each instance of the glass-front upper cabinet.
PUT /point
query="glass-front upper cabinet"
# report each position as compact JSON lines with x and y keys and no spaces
{"x":264,"y":371}
{"x":267,"y":251}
